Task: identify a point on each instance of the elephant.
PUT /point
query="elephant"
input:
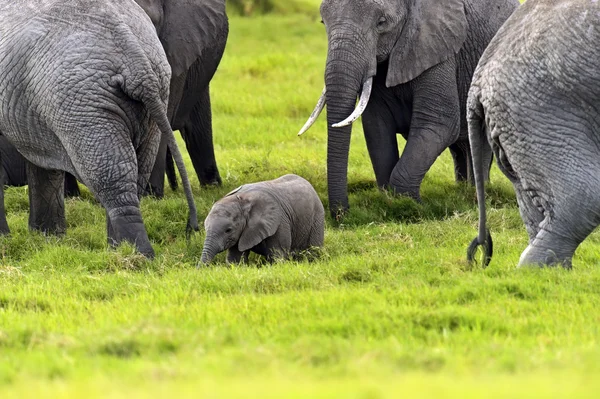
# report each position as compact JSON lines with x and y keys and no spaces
{"x":14,"y":170}
{"x":534,"y":99}
{"x":412,"y":62}
{"x":13,"y":165}
{"x":84,"y":88}
{"x":193,"y":34}
{"x":276,"y":219}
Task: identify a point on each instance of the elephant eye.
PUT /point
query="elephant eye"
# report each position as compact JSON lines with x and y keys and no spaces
{"x":228,"y":230}
{"x":381,"y":22}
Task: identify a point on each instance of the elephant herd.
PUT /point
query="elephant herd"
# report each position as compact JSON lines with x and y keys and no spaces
{"x":92,"y":91}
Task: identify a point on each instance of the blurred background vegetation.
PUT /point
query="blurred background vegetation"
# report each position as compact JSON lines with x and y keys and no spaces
{"x":257,"y":7}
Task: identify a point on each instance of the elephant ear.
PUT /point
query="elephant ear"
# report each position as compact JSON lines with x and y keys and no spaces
{"x":188,"y":28}
{"x":434,"y":31}
{"x":263,"y":216}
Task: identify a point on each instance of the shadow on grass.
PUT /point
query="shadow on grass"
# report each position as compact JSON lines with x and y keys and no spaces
{"x":368,"y":204}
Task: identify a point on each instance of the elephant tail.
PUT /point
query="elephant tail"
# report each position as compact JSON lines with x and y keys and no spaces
{"x":144,"y":84}
{"x":477,"y":137}
{"x":160,"y":117}
{"x":170,"y":169}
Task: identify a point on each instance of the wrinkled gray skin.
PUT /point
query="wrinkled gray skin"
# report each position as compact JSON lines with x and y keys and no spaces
{"x":193,"y":34}
{"x":275,"y":218}
{"x":535,"y":98}
{"x":14,"y":169}
{"x":422,"y":54}
{"x":84,"y":88}
{"x":13,"y":164}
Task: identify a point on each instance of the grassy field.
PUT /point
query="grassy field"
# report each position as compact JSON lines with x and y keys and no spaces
{"x":391,"y":309}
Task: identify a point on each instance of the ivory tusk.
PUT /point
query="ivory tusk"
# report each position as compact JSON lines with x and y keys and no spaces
{"x":362,"y":105}
{"x":315,"y":114}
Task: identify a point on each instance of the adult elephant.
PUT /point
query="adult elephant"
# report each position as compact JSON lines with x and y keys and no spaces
{"x":535,"y":98}
{"x":13,"y":172}
{"x":84,"y":89}
{"x":193,"y":34}
{"x":412,"y":61}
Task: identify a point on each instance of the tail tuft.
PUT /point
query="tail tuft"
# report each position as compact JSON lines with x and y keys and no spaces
{"x":488,"y":250}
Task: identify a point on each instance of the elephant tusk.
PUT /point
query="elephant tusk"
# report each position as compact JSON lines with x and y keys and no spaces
{"x":362,"y":104}
{"x":315,"y":114}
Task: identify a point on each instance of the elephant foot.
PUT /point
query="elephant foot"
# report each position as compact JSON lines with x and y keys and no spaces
{"x":46,"y":200}
{"x":400,"y":186}
{"x":459,"y":178}
{"x":129,"y":227}
{"x":234,"y":256}
{"x":410,"y":193}
{"x":549,"y":249}
{"x":339,"y":211}
{"x":463,"y":173}
{"x":401,"y":192}
{"x":210,"y":177}
{"x":541,"y":257}
{"x":211,"y":183}
{"x":4,"y":229}
{"x":53,"y":225}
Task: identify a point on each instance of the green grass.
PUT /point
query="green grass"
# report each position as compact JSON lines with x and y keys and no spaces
{"x":391,"y":309}
{"x":254,"y":7}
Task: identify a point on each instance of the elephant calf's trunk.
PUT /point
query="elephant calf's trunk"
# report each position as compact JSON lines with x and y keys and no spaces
{"x":208,"y":254}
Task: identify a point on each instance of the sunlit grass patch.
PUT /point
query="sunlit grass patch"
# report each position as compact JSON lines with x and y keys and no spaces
{"x":389,"y":308}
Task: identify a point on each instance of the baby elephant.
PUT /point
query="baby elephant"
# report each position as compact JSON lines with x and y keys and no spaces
{"x":275,"y":218}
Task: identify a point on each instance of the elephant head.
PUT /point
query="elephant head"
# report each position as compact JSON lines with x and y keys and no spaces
{"x":244,"y":219}
{"x":410,"y":35}
{"x":184,"y":28}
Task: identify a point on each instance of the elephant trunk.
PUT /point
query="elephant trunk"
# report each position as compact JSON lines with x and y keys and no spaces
{"x":344,"y":77}
{"x":209,"y":251}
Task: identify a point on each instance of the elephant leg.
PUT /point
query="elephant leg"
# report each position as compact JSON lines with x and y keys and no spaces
{"x":145,"y":157}
{"x":435,"y":125}
{"x":317,"y":235}
{"x":461,"y":155}
{"x":156,"y":186}
{"x":549,"y":249}
{"x":278,"y":246}
{"x":380,"y":135}
{"x":115,"y":234}
{"x":531,"y":214}
{"x":198,"y":136}
{"x":423,"y":147}
{"x":112,"y":176}
{"x":565,"y":226}
{"x":235,"y":256}
{"x":315,"y":243}
{"x":4,"y":229}
{"x":463,"y":166}
{"x":13,"y":163}
{"x":71,"y":186}
{"x":46,"y":199}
